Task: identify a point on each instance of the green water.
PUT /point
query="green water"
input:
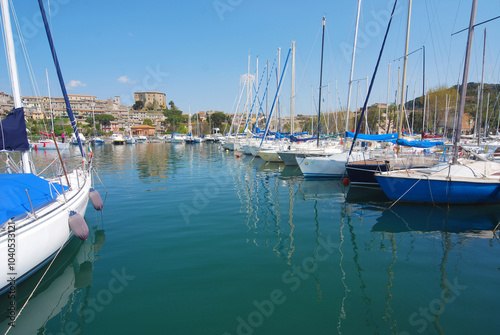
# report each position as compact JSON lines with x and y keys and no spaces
{"x":194,"y":240}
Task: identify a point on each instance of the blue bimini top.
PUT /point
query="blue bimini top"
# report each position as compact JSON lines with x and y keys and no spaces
{"x":14,"y":200}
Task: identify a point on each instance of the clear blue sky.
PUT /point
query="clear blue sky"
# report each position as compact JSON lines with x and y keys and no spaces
{"x":195,"y":51}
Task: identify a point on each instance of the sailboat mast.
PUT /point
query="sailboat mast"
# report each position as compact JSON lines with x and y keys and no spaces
{"x":387,"y":105}
{"x":321,"y":79}
{"x":14,"y":76}
{"x":352,"y":68}
{"x":93,"y":117}
{"x":403,"y":86}
{"x":481,"y":96}
{"x":50,"y":101}
{"x":458,"y":125}
{"x":292,"y":99}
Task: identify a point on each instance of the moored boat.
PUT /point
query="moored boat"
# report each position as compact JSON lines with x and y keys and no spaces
{"x":117,"y":139}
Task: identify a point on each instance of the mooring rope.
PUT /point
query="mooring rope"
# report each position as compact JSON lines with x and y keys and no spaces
{"x":43,"y":276}
{"x":408,"y":190}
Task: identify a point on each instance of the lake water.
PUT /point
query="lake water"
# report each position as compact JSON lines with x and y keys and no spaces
{"x":194,"y":240}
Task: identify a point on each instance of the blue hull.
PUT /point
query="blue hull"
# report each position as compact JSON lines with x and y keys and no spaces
{"x":439,"y":191}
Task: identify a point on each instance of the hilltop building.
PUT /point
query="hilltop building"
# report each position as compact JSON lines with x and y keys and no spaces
{"x":152,"y":99}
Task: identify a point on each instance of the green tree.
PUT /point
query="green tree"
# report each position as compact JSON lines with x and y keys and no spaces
{"x":217,"y":119}
{"x":172,"y":105}
{"x":139,"y":104}
{"x":173,"y":119}
{"x":148,"y":122}
{"x":104,"y":119}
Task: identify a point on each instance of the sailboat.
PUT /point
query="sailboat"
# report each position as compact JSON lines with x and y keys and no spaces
{"x":95,"y":140}
{"x":333,"y":165}
{"x":130,"y":139}
{"x":461,"y":181}
{"x":50,"y":142}
{"x":38,"y":215}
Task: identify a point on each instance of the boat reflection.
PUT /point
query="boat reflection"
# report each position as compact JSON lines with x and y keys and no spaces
{"x":311,"y":189}
{"x":271,"y":167}
{"x":67,"y":281}
{"x":290,"y":172}
{"x":367,"y":196}
{"x":427,"y":218}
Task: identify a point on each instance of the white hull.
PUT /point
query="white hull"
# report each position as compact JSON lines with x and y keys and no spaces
{"x":38,"y":239}
{"x":329,"y":166}
{"x":130,"y":141}
{"x":49,"y":145}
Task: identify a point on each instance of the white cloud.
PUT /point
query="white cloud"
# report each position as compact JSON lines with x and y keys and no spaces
{"x":76,"y":83}
{"x":125,"y":80}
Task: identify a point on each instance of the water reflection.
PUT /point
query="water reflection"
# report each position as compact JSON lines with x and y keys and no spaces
{"x":64,"y":289}
{"x":427,"y":218}
{"x":153,"y":161}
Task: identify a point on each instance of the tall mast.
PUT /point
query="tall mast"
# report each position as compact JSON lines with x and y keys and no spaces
{"x":321,"y":79}
{"x":481,"y":96}
{"x":276,"y":116}
{"x":249,"y":88}
{"x":292,"y":102}
{"x":423,"y":87}
{"x":387,"y":106}
{"x":14,"y":76}
{"x":458,"y":125}
{"x":403,"y":86}
{"x":352,"y":67}
{"x":50,"y":102}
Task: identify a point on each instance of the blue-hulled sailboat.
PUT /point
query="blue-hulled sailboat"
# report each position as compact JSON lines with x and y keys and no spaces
{"x":462,"y":181}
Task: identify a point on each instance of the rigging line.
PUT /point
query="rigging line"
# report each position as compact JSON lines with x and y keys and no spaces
{"x":31,"y":73}
{"x":449,"y":49}
{"x":309,"y":57}
{"x":477,"y":24}
{"x":432,"y":40}
{"x":411,"y":53}
{"x":408,"y":190}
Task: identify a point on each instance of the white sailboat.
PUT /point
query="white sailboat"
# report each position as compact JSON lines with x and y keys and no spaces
{"x":95,"y":140}
{"x":49,"y":143}
{"x":38,"y":215}
{"x":130,"y":139}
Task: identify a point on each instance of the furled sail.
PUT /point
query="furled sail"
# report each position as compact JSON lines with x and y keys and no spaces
{"x":13,"y":135}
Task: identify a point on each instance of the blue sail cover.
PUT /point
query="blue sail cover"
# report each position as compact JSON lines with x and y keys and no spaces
{"x":366,"y":137}
{"x":419,"y":144}
{"x":13,"y":198}
{"x":13,"y":136}
{"x":303,"y":139}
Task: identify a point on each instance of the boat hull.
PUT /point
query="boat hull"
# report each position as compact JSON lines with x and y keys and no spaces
{"x":326,"y":166}
{"x":49,"y":145}
{"x":439,"y":190}
{"x":38,"y":240}
{"x":363,"y":172}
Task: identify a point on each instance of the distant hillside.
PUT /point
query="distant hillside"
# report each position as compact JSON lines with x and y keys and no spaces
{"x":470,"y":100}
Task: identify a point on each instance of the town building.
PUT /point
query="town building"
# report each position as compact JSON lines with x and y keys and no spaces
{"x":82,"y":106}
{"x":155,"y":100}
{"x":143,"y":130}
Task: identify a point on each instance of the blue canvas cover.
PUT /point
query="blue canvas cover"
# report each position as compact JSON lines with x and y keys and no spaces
{"x":13,"y":136}
{"x":367,"y":137}
{"x":419,"y":144}
{"x":13,"y":198}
